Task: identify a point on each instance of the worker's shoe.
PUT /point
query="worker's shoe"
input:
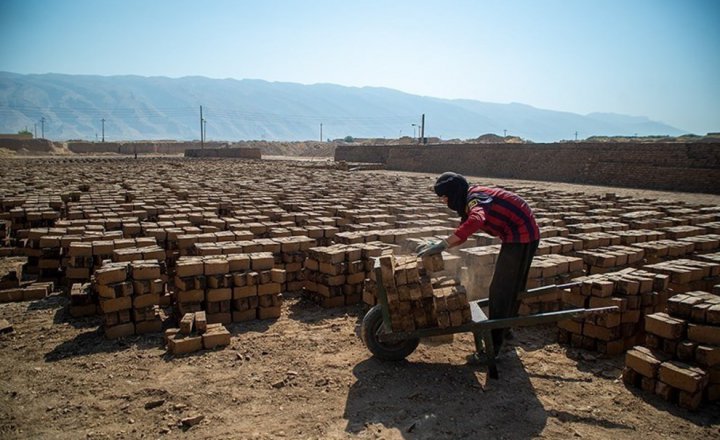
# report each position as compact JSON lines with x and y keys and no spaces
{"x":480,"y":359}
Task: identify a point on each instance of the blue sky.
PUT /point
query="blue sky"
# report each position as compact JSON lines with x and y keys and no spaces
{"x":655,"y":58}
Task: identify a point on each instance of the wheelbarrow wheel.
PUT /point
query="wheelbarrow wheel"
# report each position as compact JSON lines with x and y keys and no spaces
{"x":371,"y":326}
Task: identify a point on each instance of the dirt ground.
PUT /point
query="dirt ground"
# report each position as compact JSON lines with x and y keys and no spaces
{"x":308,"y":375}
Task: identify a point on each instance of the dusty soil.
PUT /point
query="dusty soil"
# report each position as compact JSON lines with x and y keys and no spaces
{"x":308,"y":375}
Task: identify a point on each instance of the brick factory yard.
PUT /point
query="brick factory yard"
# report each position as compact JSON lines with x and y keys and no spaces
{"x":306,"y":374}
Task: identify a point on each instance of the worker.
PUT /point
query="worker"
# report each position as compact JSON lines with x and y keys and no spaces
{"x":502,"y":214}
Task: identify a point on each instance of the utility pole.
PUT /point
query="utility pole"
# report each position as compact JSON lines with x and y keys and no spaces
{"x":103,"y":129}
{"x":321,"y":138}
{"x":576,"y":136}
{"x":204,"y":128}
{"x":42,"y":126}
{"x":504,"y":133}
{"x":202,"y":137}
{"x":422,"y":129}
{"x":35,"y":129}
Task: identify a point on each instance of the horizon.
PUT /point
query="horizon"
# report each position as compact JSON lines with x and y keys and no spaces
{"x":654,"y":59}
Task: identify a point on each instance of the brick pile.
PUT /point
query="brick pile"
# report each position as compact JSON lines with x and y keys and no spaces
{"x":547,"y":270}
{"x":230,"y":288}
{"x":87,"y":254}
{"x":33,"y":291}
{"x":680,"y":359}
{"x":196,"y":333}
{"x":686,"y":274}
{"x":336,"y":274}
{"x":129,"y":296}
{"x":415,"y":300}
{"x":636,"y":293}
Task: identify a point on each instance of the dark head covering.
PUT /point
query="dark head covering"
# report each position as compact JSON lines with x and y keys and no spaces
{"x":455,"y":187}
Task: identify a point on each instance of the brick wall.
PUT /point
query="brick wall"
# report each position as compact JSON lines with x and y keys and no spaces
{"x":139,"y":147}
{"x":245,"y":153}
{"x":672,"y":166}
{"x":14,"y":144}
{"x":362,"y":153}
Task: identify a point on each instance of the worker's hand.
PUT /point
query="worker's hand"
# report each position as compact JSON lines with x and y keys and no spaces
{"x":431,"y":248}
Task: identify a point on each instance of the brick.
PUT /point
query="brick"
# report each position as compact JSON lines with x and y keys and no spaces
{"x":145,"y":271}
{"x":665,"y":391}
{"x":191,"y":296}
{"x":238,"y":262}
{"x":269,"y":289}
{"x":216,"y":266}
{"x":707,"y":356}
{"x":151,"y":299}
{"x":712,"y":315}
{"x":643,"y":361}
{"x":261,"y":261}
{"x":705,"y":334}
{"x":665,"y":326}
{"x":110,"y":275}
{"x":682,"y":376}
{"x":180,"y":344}
{"x":189,"y":268}
{"x":274,"y":312}
{"x":215,"y":336}
{"x":200,"y":321}
{"x":244,"y":292}
{"x":244,"y":315}
{"x":120,"y":330}
{"x":215,"y":295}
{"x":116,"y":304}
{"x":78,"y":311}
{"x":187,"y":323}
{"x":690,"y":401}
{"x":220,"y":317}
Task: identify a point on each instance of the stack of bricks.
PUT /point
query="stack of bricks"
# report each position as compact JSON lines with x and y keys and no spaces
{"x":335,"y":274}
{"x":230,"y":288}
{"x":83,"y":300}
{"x":129,"y":295}
{"x":195,"y":333}
{"x":636,"y":293}
{"x":547,"y":270}
{"x":415,"y":300}
{"x":680,"y":360}
{"x":480,"y":262}
{"x":686,"y":274}
{"x":84,"y":257}
{"x":611,"y":258}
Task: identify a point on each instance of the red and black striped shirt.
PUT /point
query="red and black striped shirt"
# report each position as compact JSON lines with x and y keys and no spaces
{"x":500,"y":213}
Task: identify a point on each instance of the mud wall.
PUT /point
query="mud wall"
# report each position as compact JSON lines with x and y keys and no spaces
{"x":362,"y":153}
{"x":138,"y":147}
{"x":692,"y":167}
{"x":244,"y":153}
{"x":41,"y":145}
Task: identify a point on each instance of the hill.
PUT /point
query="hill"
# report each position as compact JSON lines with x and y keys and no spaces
{"x":134,"y":107}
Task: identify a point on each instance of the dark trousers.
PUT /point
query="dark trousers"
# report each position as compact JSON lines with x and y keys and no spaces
{"x":509,"y":279}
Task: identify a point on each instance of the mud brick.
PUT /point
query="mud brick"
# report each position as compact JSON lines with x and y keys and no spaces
{"x":574,"y":299}
{"x":665,"y":326}
{"x":327,"y":302}
{"x":614,"y":348}
{"x":180,"y":344}
{"x":647,"y":384}
{"x":707,"y":356}
{"x":705,"y":334}
{"x":620,"y":303}
{"x":699,"y":312}
{"x":151,"y":299}
{"x":191,"y":296}
{"x":644,"y":361}
{"x":115,"y":304}
{"x":630,"y":377}
{"x":669,"y":346}
{"x":215,"y":336}
{"x":264,"y":277}
{"x":212,"y":307}
{"x":576,"y":340}
{"x":103,"y":247}
{"x":685,"y":350}
{"x":312,"y":264}
{"x":274,"y":312}
{"x":145,"y":271}
{"x":712,"y":315}
{"x":111,"y":274}
{"x":219,"y":318}
{"x":144,"y":314}
{"x":589,"y":343}
{"x":571,"y":325}
{"x":278,"y":276}
{"x":252,"y":278}
{"x":219,"y":281}
{"x":443,"y":319}
{"x":238,"y":262}
{"x":269,"y":300}
{"x":215,"y":266}
{"x":189,"y":268}
{"x":601,"y":333}
{"x":115,"y":290}
{"x":269,"y":289}
{"x":608,"y":320}
{"x":261,"y":261}
{"x":682,"y":376}
{"x":215,"y":295}
{"x":33,"y":292}
{"x":602,"y":288}
{"x":77,"y":273}
{"x":433,"y":263}
{"x":80,"y":249}
{"x":187,"y":323}
{"x":186,"y":283}
{"x":244,"y":315}
{"x":665,"y":391}
{"x":626,"y":286}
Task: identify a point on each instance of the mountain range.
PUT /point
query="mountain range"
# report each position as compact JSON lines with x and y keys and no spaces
{"x":86,"y":107}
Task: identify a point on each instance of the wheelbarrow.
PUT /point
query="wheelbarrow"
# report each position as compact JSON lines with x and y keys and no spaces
{"x":388,"y":345}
